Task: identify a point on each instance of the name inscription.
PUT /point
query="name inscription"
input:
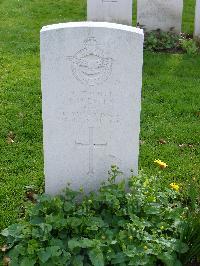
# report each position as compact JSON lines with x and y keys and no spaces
{"x":91,"y":108}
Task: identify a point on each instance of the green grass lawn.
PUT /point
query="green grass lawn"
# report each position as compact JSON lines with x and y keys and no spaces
{"x":170,"y":105}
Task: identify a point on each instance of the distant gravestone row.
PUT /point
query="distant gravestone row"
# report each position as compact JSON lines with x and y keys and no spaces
{"x":151,"y":14}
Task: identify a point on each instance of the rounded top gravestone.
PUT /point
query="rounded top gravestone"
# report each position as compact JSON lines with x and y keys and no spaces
{"x":91,"y":90}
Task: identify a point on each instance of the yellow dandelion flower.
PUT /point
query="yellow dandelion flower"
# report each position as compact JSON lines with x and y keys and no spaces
{"x":160,"y":163}
{"x":175,"y":186}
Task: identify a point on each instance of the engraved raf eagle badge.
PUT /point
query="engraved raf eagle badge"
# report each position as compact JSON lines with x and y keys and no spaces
{"x":89,"y":65}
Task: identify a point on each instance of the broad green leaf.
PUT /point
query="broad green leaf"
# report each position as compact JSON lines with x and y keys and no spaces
{"x":181,"y":247}
{"x":86,"y":243}
{"x":55,"y":251}
{"x":82,"y":243}
{"x":94,"y":223}
{"x":74,"y":221}
{"x":44,"y":255}
{"x":68,"y":206}
{"x":119,"y":258}
{"x":73,"y":243}
{"x":14,"y":261}
{"x":28,"y":262}
{"x":57,"y":242}
{"x":152,"y":209}
{"x":18,"y":250}
{"x":178,"y":263}
{"x":5,"y":232}
{"x":168,"y":259}
{"x":96,"y":257}
{"x":78,"y":261}
{"x":45,"y":227}
{"x":14,"y":230}
{"x":36,"y":220}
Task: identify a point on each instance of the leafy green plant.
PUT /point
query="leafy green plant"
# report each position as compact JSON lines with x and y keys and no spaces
{"x":161,"y":41}
{"x":141,"y":226}
{"x":189,"y":46}
{"x":168,"y":41}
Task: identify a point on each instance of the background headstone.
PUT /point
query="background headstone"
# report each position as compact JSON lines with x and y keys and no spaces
{"x":91,"y":88}
{"x":165,"y":15}
{"x":118,"y":11}
{"x":197,"y":19}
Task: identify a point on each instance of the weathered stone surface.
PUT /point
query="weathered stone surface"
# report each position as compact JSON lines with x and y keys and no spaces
{"x":118,"y":11}
{"x":160,"y":14}
{"x":91,"y":90}
{"x":197,"y":19}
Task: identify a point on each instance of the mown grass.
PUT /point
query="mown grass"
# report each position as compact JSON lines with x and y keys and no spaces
{"x":21,"y":162}
{"x":170,"y":106}
{"x":170,"y":113}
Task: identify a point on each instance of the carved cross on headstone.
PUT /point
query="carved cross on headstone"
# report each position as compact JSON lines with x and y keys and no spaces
{"x":91,"y":146}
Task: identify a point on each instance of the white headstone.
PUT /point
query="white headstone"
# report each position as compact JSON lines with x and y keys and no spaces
{"x":118,"y":11}
{"x":165,"y":15}
{"x":197,"y":20}
{"x":91,"y":88}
